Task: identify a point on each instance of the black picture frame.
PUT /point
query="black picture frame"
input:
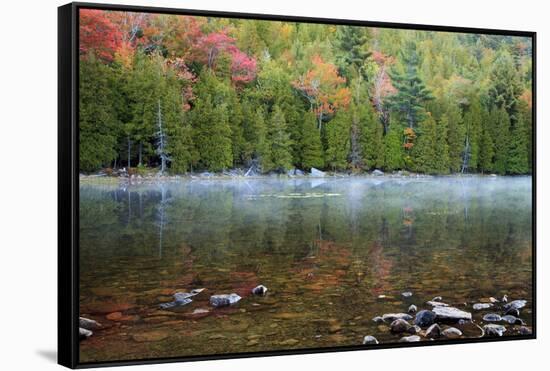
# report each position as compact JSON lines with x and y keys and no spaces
{"x":68,"y":180}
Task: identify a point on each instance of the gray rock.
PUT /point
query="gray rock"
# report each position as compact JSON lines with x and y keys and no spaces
{"x":436,"y":303}
{"x":452,"y":333}
{"x":451,"y":314}
{"x":390,"y":317}
{"x":409,"y":339}
{"x":523,"y":330}
{"x":399,"y":326}
{"x":259,"y":290}
{"x":512,"y":312}
{"x":370,"y":340}
{"x":437,"y":298}
{"x":516,"y":304}
{"x":181,"y":299}
{"x":424,"y":318}
{"x":377,"y":172}
{"x":513,"y":320}
{"x":84,"y":334}
{"x":412,"y":309}
{"x":494,"y":330}
{"x":224,"y":300}
{"x":88,"y":324}
{"x":480,"y":306}
{"x":407,"y":294}
{"x":504,"y":299}
{"x":492,"y":317}
{"x":434,"y":331}
{"x":317,"y":173}
{"x":378,"y":319}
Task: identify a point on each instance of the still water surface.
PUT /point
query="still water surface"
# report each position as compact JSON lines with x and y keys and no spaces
{"x":327,"y":249}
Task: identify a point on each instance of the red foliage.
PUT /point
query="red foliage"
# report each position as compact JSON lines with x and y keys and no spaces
{"x":98,"y":34}
{"x":184,"y":74}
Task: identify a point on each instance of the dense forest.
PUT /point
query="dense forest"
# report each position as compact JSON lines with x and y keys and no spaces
{"x":183,"y":93}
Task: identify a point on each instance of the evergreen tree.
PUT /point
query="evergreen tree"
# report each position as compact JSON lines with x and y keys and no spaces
{"x":501,"y":140}
{"x":456,"y":136}
{"x":280,"y":158}
{"x":412,"y":93}
{"x":505,"y":87}
{"x":393,"y":157}
{"x":518,"y":159}
{"x":424,"y":152}
{"x":338,"y":144}
{"x":472,"y":142}
{"x":98,"y":123}
{"x":310,"y":147}
{"x":486,"y":148}
{"x":353,"y":49}
{"x":372,"y":147}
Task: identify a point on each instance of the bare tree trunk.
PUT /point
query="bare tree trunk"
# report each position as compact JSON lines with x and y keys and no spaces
{"x":129,"y":151}
{"x":140,"y":152}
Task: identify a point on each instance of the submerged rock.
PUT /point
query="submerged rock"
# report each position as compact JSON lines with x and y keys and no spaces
{"x":512,"y":312}
{"x":259,"y":290}
{"x":224,"y":300}
{"x":452,"y":333}
{"x":512,"y":320}
{"x":434,"y":331}
{"x":407,"y":294}
{"x":523,"y":330}
{"x":480,"y":306}
{"x":370,"y":340}
{"x":378,"y":319}
{"x":504,"y":299}
{"x":390,"y":317}
{"x":451,"y":313}
{"x":84,"y":334}
{"x":399,"y":326}
{"x":494,"y":330}
{"x":412,"y":308}
{"x":492,"y":317}
{"x":181,"y":299}
{"x":516,"y":304}
{"x":88,"y":324}
{"x":317,"y":173}
{"x":436,"y":303}
{"x":424,"y":318}
{"x":409,"y":339}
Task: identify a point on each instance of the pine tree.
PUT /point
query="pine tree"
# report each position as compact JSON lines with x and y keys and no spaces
{"x":279,"y":142}
{"x":338,"y":144}
{"x":372,"y":147}
{"x":486,"y":148}
{"x":456,"y":136}
{"x":473,"y":132}
{"x":353,"y":49}
{"x":393,"y":157}
{"x":424,"y":152}
{"x":412,"y":93}
{"x":505,"y":87}
{"x":310,"y":147}
{"x":518,"y":159}
{"x":501,"y":140}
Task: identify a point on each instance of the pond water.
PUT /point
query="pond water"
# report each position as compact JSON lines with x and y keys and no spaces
{"x":333,"y":253}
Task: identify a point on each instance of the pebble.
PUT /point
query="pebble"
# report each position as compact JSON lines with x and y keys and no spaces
{"x":412,"y":308}
{"x":409,"y":339}
{"x":407,"y":294}
{"x":452,"y":333}
{"x":424,"y":318}
{"x":480,"y":306}
{"x":494,"y":330}
{"x":370,"y":340}
{"x":492,"y":317}
{"x":434,"y":331}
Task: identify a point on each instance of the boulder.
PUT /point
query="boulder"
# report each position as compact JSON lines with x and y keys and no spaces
{"x":480,"y":306}
{"x":181,"y":299}
{"x":317,"y":173}
{"x":451,"y":314}
{"x":494,"y":330}
{"x":434,"y":331}
{"x":512,"y":320}
{"x":259,"y":290}
{"x":452,"y":333}
{"x":492,"y":317}
{"x":424,"y":318}
{"x":224,"y":300}
{"x":409,"y":339}
{"x":399,"y":326}
{"x":390,"y":317}
{"x":377,"y":172}
{"x":88,"y":324}
{"x":369,"y":340}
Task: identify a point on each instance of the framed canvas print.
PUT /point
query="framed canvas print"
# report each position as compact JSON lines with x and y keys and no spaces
{"x":235,"y":185}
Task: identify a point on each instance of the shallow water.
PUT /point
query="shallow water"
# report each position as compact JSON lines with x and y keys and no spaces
{"x":327,"y":249}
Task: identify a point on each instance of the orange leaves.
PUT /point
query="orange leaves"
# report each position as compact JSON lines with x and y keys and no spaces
{"x":410,"y":136}
{"x":98,"y":34}
{"x":323,"y":87}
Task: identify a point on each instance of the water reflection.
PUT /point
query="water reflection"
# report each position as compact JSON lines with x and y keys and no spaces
{"x":326,"y":248}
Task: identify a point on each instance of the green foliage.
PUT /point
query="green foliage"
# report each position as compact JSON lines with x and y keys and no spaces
{"x":338,"y":141}
{"x":393,"y":152}
{"x":501,"y":127}
{"x":278,"y":156}
{"x":310,"y":146}
{"x":430,"y":154}
{"x":371,"y":138}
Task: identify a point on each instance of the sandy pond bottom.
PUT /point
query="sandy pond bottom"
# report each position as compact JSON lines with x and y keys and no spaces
{"x":333,"y":253}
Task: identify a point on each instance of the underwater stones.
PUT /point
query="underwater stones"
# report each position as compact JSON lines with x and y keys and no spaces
{"x":378,"y":319}
{"x":259,"y":290}
{"x":424,"y":318}
{"x":407,"y":294}
{"x":289,"y":342}
{"x":399,"y":326}
{"x":115,"y":316}
{"x":181,"y":299}
{"x":317,"y":173}
{"x":84,"y":333}
{"x":88,"y":324}
{"x":451,"y":333}
{"x":516,"y":304}
{"x":480,"y":306}
{"x":224,"y":300}
{"x":409,"y":339}
{"x":390,"y":317}
{"x":434,"y":303}
{"x":494,"y":330}
{"x":512,"y":312}
{"x":512,"y":320}
{"x":367,"y":340}
{"x":451,"y":314}
{"x":434,"y":331}
{"x":412,"y":308}
{"x":523,"y":330}
{"x":492,"y":317}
